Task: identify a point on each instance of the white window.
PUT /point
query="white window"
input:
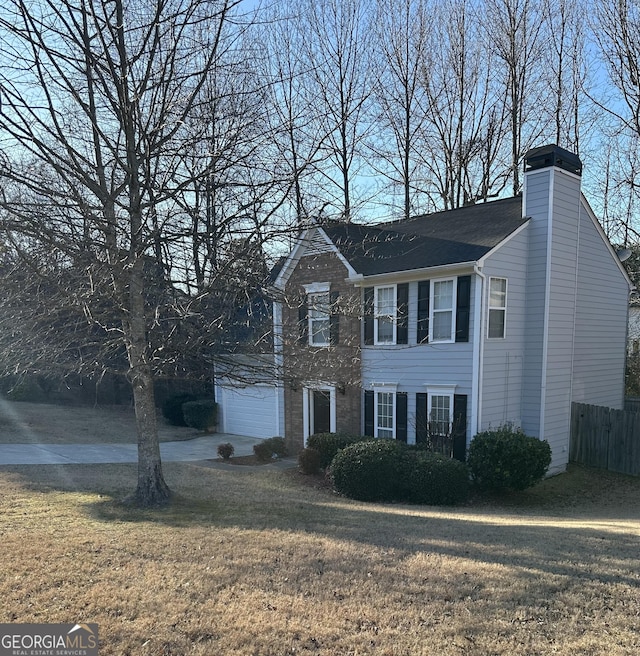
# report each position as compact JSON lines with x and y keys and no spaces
{"x":440,"y":414}
{"x":443,"y":311}
{"x":385,"y":412}
{"x":319,"y":309}
{"x":497,"y":308}
{"x":385,"y":315}
{"x":440,"y":409}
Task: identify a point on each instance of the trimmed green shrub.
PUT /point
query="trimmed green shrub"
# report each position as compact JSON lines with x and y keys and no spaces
{"x":172,"y":408}
{"x":328,"y":444}
{"x":437,"y":480}
{"x":375,"y":470}
{"x":506,"y":458}
{"x":267,"y":449}
{"x":225,"y":450}
{"x":309,"y":461}
{"x":201,"y":415}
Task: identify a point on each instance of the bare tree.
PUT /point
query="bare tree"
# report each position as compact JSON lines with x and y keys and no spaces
{"x":402,"y":31}
{"x":297,"y":136}
{"x":616,"y":29}
{"x":337,"y":43}
{"x":514,"y":33}
{"x":566,"y":72}
{"x":465,"y":127}
{"x":96,"y":114}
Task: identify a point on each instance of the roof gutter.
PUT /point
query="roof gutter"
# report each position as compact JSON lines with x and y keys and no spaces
{"x":360,"y":280}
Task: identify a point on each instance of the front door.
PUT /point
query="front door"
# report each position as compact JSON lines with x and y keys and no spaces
{"x":320,"y":411}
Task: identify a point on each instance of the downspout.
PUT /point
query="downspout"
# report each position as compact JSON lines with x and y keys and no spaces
{"x":476,"y":419}
{"x":278,"y":363}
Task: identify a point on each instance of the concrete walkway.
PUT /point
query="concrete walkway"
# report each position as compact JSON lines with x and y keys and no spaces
{"x":199,"y":448}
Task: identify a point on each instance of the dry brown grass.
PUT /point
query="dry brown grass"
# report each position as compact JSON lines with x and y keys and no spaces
{"x":258,"y":563}
{"x":24,"y":423}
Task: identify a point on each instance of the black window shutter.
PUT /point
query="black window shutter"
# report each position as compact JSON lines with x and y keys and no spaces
{"x":463,"y":308}
{"x":459,"y":426}
{"x":303,"y":321}
{"x":421,"y":418}
{"x":402,"y":313}
{"x":401,"y":416}
{"x":423,"y":311}
{"x":368,"y":413}
{"x":368,"y":315}
{"x":334,"y":319}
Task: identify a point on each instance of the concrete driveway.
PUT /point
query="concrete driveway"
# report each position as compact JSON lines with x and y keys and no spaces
{"x":199,"y":448}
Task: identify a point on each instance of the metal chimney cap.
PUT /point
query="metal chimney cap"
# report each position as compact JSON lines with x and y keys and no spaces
{"x":552,"y":155}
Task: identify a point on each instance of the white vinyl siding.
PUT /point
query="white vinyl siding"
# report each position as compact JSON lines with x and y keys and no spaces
{"x":503,"y":359}
{"x":601,"y":322}
{"x":417,"y":364}
{"x":537,"y":207}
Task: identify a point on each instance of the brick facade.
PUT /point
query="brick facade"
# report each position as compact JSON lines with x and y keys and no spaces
{"x":336,"y":366}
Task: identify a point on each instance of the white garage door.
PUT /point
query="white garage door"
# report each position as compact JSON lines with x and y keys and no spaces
{"x":250,"y":411}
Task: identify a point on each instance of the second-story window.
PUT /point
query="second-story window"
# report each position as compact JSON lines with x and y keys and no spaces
{"x":318,"y":315}
{"x":319,"y":308}
{"x":497,"y":307}
{"x":442,"y":312}
{"x":385,"y":315}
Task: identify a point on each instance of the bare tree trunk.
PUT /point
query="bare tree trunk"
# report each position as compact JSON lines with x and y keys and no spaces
{"x":151,"y":489}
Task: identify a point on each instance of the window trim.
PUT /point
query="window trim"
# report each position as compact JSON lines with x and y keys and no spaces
{"x":452,"y":309}
{"x":377,"y":315}
{"x":444,"y":391}
{"x":318,"y":289}
{"x":324,"y":316}
{"x":502,"y":308}
{"x":385,"y":388}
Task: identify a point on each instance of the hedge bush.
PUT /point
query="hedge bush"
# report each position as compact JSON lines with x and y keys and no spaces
{"x":506,"y":458}
{"x":267,"y":449}
{"x":435,"y":479}
{"x":328,"y":444}
{"x":201,"y":415}
{"x":309,"y":461}
{"x":172,"y":408}
{"x":375,"y":470}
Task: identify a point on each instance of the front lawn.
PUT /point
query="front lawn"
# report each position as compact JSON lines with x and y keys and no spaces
{"x":260,"y":563}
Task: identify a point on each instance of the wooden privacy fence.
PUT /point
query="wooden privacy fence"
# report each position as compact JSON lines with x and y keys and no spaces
{"x":605,"y":438}
{"x":632,"y":403}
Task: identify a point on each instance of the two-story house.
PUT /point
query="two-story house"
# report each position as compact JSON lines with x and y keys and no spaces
{"x":456,"y":322}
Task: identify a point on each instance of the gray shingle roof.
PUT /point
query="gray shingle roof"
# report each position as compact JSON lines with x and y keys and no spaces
{"x":454,"y":236}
